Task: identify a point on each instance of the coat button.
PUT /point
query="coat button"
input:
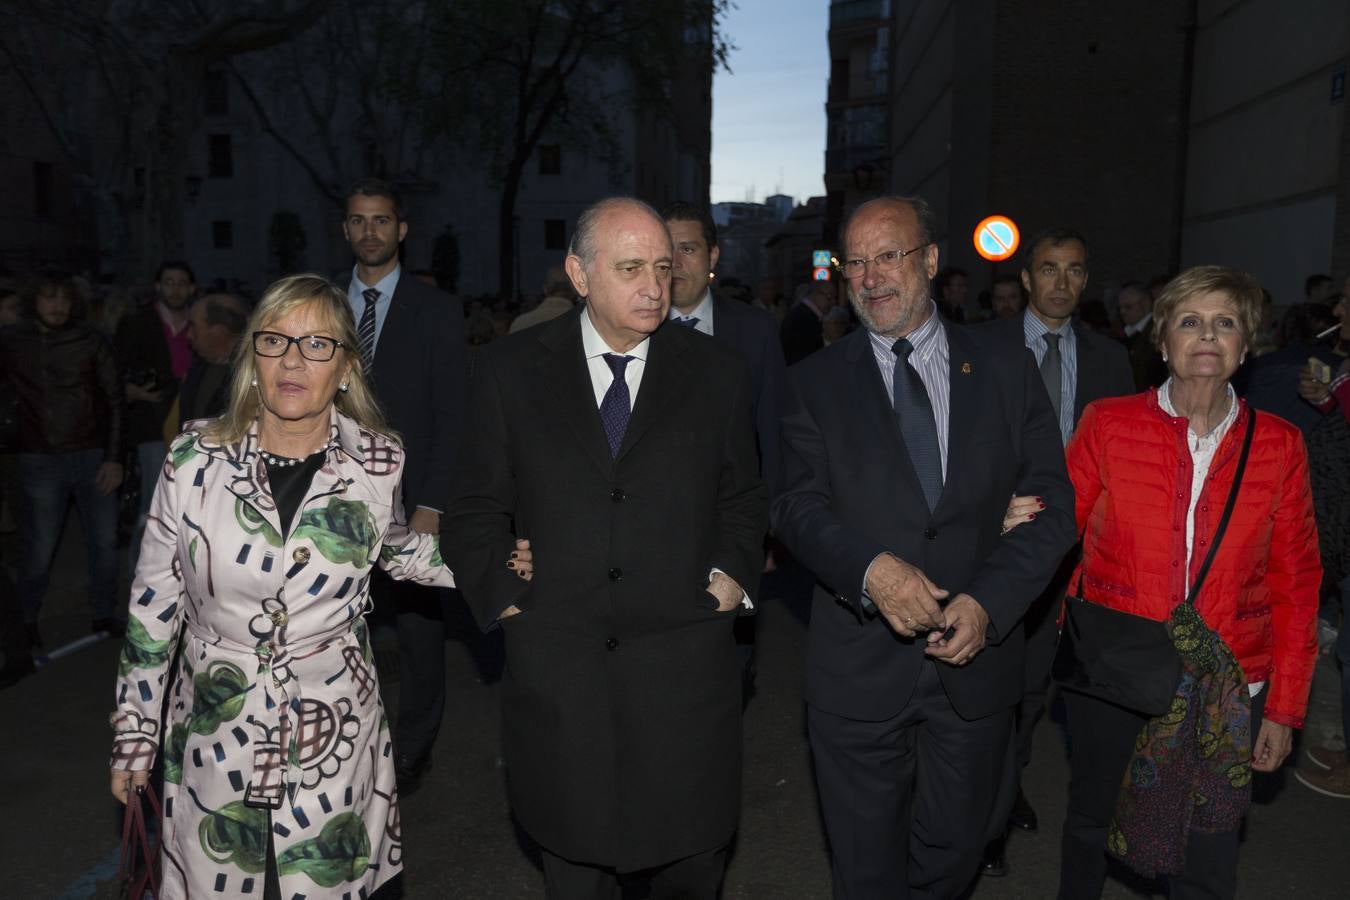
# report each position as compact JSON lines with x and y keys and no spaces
{"x":617,"y":495}
{"x":616,"y":574}
{"x":930,"y":533}
{"x":278,"y":617}
{"x":611,"y":644}
{"x":301,"y":555}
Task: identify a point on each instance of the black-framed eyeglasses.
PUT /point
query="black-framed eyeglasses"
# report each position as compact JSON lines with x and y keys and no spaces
{"x":313,"y":347}
{"x":886,"y":262}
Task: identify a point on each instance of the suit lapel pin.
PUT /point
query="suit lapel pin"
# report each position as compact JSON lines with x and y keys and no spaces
{"x":965,"y":368}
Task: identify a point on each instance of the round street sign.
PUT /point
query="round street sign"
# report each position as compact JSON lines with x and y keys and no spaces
{"x":996,"y":238}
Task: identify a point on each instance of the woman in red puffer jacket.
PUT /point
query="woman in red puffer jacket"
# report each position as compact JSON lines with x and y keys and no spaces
{"x":1152,"y":474}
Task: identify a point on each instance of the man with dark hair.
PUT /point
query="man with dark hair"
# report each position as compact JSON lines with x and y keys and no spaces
{"x":622,"y":447}
{"x":154,"y":354}
{"x":70,"y":444}
{"x":1078,"y":366}
{"x":1006,"y":297}
{"x":414,"y":354}
{"x":952,"y":288}
{"x":901,"y":448}
{"x":1135,"y":303}
{"x":751,"y":332}
{"x":1319,"y":288}
{"x":216,"y":323}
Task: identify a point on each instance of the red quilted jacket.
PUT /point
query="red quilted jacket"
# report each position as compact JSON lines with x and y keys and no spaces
{"x":1131,"y":471}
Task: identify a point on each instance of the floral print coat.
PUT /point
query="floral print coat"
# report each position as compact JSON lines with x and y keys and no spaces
{"x":274,"y":717}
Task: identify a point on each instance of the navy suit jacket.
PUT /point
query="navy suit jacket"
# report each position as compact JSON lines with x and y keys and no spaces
{"x":851,"y":493}
{"x":753,"y":333}
{"x":421,"y":380}
{"x":1103,"y":362}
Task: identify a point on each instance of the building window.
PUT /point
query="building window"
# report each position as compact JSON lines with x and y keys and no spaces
{"x":555,"y":234}
{"x":42,"y":190}
{"x":222,"y":235}
{"x":219,"y":156}
{"x":550,"y":159}
{"x":216,"y":93}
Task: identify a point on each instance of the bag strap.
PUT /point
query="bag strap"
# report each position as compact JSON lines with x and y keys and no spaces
{"x":1228,"y":507}
{"x":136,"y":843}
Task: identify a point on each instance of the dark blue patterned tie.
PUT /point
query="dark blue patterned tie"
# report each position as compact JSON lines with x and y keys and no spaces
{"x":616,"y":407}
{"x":918,"y":428}
{"x":689,"y":322}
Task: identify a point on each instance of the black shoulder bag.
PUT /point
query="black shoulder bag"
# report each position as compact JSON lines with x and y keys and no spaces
{"x":1126,"y":659}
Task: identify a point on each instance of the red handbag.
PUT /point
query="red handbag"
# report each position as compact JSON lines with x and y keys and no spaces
{"x":138,"y":869}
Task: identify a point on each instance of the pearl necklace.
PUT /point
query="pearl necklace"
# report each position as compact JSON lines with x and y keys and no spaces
{"x":283,"y":461}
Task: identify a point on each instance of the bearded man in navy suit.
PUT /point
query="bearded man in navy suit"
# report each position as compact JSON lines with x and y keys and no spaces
{"x":901,"y":447}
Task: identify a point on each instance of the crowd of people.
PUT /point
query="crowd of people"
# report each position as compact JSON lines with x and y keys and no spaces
{"x":1142,"y":499}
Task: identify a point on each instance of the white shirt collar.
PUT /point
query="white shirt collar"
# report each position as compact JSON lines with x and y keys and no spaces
{"x":386,"y":285}
{"x":1201,"y":441}
{"x":702,"y":312}
{"x":1140,"y":325}
{"x":593,"y":345}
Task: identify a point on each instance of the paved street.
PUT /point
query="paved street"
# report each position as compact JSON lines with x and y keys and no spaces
{"x":59,"y":828}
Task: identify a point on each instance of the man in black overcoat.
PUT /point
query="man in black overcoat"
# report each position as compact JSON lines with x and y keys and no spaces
{"x":901,"y":449}
{"x":625,"y":452}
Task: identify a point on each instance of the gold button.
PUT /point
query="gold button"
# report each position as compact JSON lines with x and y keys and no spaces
{"x":278,"y":618}
{"x":276,"y":682}
{"x":301,"y":555}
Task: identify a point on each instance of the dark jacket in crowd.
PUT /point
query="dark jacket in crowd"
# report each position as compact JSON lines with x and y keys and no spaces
{"x":69,"y":393}
{"x":143,"y":355}
{"x":205,"y":392}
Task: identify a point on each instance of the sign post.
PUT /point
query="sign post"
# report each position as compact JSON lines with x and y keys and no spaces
{"x":820,"y":265}
{"x":997,"y":238}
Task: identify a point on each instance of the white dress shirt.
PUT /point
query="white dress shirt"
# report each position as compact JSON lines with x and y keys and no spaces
{"x":602,"y":376}
{"x":703,"y":312}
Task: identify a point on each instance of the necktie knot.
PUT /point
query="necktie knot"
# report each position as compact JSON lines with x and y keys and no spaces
{"x":617,"y":364}
{"x":902,"y":348}
{"x":688,"y":322}
{"x":371,"y":295}
{"x":1051,"y":340}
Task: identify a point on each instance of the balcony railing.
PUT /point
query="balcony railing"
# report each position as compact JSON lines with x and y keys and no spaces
{"x":853,"y":12}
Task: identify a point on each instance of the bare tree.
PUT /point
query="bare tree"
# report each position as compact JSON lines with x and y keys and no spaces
{"x":119,"y":84}
{"x":513,"y":73}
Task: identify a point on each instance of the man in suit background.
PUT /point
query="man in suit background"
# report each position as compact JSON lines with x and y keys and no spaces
{"x":751,"y":332}
{"x":802,"y":331}
{"x":215,"y":325}
{"x":624,"y":451}
{"x":1136,"y":317}
{"x":414,"y":353}
{"x":154,"y":355}
{"x":1078,"y":366}
{"x":901,"y":446}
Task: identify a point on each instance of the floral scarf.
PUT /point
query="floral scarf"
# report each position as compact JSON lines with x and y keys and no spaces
{"x":1191,"y":769}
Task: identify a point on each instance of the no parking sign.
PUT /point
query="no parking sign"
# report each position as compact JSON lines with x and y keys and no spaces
{"x":996,"y":238}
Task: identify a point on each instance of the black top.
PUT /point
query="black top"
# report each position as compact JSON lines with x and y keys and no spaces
{"x":290,"y":484}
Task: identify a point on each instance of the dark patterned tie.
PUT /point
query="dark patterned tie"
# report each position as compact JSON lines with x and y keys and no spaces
{"x":1052,"y":373}
{"x":689,"y":322}
{"x":617,"y":405}
{"x":365,"y":332}
{"x":918,"y":428}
